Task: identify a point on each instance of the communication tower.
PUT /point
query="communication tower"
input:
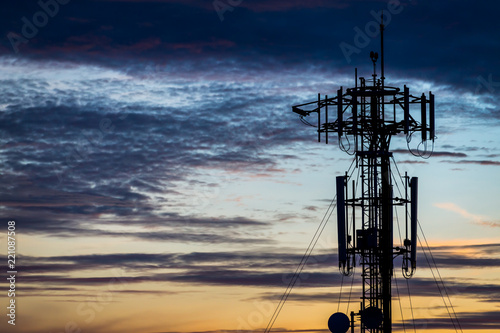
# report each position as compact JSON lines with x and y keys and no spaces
{"x":367,"y":116}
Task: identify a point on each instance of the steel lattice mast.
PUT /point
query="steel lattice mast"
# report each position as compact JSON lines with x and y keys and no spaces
{"x":368,"y":115}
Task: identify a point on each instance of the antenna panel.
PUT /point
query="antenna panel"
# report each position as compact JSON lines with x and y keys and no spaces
{"x":340,"y":108}
{"x":424,"y":117}
{"x":414,"y":219}
{"x":341,"y":219}
{"x":391,"y":219}
{"x":431,"y":116}
{"x":319,"y":118}
{"x":326,"y":118}
{"x":355,"y":114}
{"x":406,"y":108}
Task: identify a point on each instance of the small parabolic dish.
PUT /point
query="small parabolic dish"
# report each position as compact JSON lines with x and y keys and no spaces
{"x":372,"y":317}
{"x":339,"y":323}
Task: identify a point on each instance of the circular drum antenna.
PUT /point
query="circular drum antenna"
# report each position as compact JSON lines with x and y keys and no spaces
{"x":339,"y":323}
{"x":372,"y":317}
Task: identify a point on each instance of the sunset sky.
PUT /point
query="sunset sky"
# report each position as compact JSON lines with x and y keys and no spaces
{"x":161,"y":183}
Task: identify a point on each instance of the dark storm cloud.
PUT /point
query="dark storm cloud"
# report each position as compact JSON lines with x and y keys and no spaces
{"x":258,"y":269}
{"x":185,"y":229}
{"x":483,"y":249}
{"x":412,"y":162}
{"x":452,"y":154}
{"x":429,"y":287}
{"x":487,"y":320}
{"x":434,"y":153}
{"x":76,"y":153}
{"x":261,"y":269}
{"x":445,"y":257}
{"x":208,"y":275}
{"x":422,"y":39}
{"x":477,"y":162}
{"x":75,"y":294}
{"x":420,"y":287}
{"x":460,"y":262}
{"x":277,"y":330}
{"x":447,"y":154}
{"x":196,"y":261}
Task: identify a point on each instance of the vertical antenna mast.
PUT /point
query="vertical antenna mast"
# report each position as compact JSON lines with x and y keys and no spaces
{"x":382,"y":77}
{"x":365,"y":234}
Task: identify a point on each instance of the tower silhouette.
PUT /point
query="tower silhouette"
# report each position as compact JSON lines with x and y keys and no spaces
{"x":368,"y":115}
